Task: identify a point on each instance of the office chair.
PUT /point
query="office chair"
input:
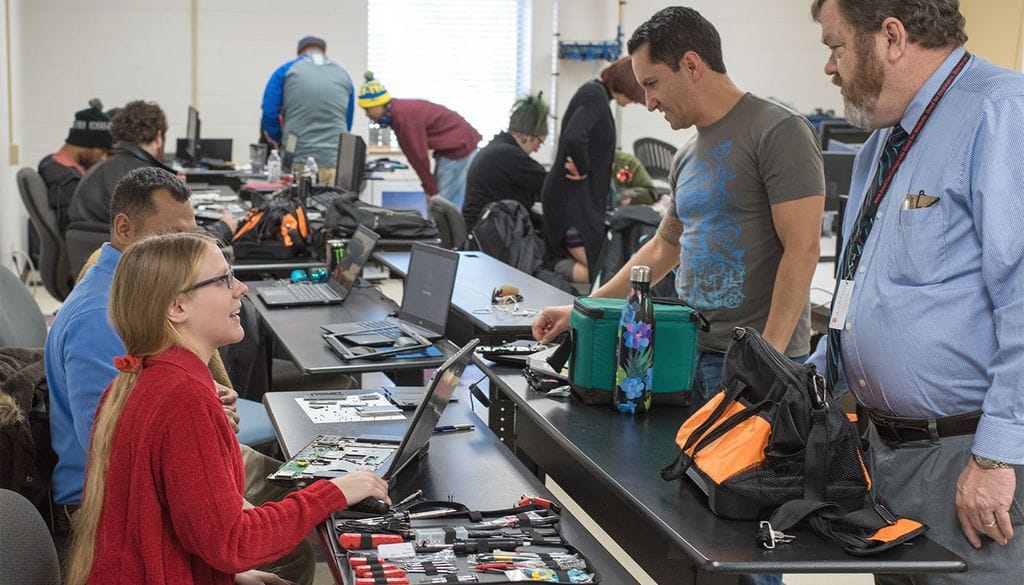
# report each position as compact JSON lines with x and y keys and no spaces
{"x":451,"y":226}
{"x":656,"y":157}
{"x":53,"y":259}
{"x":21,"y":322}
{"x":82,"y":238}
{"x":29,"y":557}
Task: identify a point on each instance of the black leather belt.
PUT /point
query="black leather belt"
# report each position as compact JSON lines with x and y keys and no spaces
{"x":902,"y":430}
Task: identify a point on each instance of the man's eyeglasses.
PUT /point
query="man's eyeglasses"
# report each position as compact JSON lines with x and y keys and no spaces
{"x":228,"y":278}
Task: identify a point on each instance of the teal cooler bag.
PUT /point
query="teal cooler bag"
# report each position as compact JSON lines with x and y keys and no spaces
{"x":592,"y":333}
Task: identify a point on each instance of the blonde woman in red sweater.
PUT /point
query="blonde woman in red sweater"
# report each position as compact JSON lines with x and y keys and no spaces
{"x":163,"y":491}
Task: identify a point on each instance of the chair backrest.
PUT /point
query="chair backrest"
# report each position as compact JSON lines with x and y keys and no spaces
{"x":83,"y":238}
{"x":451,"y":226}
{"x":656,"y":156}
{"x":53,"y":259}
{"x":21,"y":322}
{"x":29,"y":557}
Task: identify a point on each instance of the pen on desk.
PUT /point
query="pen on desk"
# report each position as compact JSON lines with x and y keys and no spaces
{"x":453,"y":428}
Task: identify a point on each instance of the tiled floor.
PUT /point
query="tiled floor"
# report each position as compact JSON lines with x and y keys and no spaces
{"x":821,"y":291}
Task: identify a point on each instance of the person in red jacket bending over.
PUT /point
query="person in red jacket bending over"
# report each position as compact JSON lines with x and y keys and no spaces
{"x":163,"y":490}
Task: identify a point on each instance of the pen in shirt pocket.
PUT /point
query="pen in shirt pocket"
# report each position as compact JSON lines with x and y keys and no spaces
{"x":919,"y":201}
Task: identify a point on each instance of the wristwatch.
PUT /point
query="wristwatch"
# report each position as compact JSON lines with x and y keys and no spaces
{"x":986,"y":463}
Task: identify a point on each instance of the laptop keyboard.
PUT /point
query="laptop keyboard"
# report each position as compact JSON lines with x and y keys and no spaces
{"x":306,"y":292}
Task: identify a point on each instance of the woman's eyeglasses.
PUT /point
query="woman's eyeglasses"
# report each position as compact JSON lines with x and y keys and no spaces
{"x":227,"y":278}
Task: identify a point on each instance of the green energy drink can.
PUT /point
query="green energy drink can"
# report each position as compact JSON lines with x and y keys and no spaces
{"x":334,"y":252}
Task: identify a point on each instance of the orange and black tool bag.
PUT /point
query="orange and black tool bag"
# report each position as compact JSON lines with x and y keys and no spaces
{"x":774,"y":439}
{"x":278,"y":229}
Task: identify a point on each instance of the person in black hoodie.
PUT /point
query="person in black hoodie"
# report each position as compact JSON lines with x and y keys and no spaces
{"x":576,"y":190}
{"x":504,"y":169}
{"x":139,"y":131}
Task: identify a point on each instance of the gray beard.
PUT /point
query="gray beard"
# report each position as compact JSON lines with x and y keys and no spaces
{"x":859,"y":115}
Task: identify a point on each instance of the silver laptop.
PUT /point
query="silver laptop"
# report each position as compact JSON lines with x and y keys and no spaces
{"x":330,"y":456}
{"x":342,"y":279}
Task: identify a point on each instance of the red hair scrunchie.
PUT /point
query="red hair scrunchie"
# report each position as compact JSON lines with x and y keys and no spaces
{"x":128,"y":364}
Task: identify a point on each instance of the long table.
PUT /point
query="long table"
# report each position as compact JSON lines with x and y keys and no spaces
{"x":478,"y":275}
{"x":471,"y":467}
{"x":297,"y":330}
{"x":610,"y":463}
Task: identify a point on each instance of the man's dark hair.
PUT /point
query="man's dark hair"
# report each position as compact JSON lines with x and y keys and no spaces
{"x":932,"y":24}
{"x":133,"y":194}
{"x":674,"y":31}
{"x":619,"y":78}
{"x":138,"y":122}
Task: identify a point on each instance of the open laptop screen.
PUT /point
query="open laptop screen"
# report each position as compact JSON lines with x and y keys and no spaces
{"x":428,"y":413}
{"x":429,"y":286}
{"x":357,"y":252}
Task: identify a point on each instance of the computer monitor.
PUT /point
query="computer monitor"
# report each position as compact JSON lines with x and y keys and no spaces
{"x":841,"y":131}
{"x":838,"y":175}
{"x":209,"y":148}
{"x":192,"y":136}
{"x":351,"y":163}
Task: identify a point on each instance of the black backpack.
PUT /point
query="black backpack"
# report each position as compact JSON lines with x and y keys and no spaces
{"x":629,"y":228}
{"x":344,"y":214}
{"x":504,"y":231}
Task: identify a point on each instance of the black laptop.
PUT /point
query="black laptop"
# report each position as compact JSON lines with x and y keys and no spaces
{"x":425,"y":300}
{"x":330,"y":456}
{"x":342,"y":279}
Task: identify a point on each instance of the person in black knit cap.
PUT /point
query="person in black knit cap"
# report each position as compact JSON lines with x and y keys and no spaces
{"x":87,"y":144}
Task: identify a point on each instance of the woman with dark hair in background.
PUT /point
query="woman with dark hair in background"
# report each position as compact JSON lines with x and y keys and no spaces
{"x":575,"y":193}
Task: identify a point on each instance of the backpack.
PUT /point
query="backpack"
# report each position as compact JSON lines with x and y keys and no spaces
{"x":278,"y":229}
{"x":26,"y":456}
{"x":774,"y":439}
{"x":345,"y":213}
{"x":505,"y":232}
{"x":629,"y":228}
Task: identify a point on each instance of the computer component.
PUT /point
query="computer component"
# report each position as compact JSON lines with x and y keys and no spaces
{"x":351,"y":167}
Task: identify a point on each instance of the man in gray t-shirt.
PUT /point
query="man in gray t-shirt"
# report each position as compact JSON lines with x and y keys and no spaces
{"x":745,"y":229}
{"x":727,"y":182}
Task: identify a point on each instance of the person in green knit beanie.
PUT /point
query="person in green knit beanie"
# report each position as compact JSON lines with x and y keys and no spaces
{"x":504,"y":169}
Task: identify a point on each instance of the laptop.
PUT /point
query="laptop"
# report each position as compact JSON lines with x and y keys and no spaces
{"x":330,"y":456}
{"x":342,"y":280}
{"x":425,"y":302}
{"x":291,"y":144}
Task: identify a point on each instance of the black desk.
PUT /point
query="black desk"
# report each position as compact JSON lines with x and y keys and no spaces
{"x":298,"y":331}
{"x":479,"y":274}
{"x":610,"y":465}
{"x":472,"y":467}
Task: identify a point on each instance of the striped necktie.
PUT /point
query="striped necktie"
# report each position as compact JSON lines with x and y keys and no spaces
{"x":855,"y":246}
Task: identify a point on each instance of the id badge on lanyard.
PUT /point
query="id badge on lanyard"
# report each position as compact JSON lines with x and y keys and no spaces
{"x":841,"y":304}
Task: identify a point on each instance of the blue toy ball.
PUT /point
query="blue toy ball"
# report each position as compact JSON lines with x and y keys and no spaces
{"x":299,"y":275}
{"x":318,"y":275}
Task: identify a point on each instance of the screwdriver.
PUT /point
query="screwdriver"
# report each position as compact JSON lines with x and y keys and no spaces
{"x":354,"y":540}
{"x":389,"y":581}
{"x":368,"y":571}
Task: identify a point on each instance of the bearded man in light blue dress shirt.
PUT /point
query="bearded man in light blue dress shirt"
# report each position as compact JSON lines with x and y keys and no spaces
{"x":931,"y":338}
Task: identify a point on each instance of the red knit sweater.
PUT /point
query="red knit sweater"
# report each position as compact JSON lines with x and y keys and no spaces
{"x":172,"y":508}
{"x":422,"y":126}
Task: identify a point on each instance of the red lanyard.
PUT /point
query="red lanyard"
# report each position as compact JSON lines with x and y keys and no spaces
{"x":920,"y":124}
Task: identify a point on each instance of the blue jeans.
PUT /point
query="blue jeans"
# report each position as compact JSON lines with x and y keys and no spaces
{"x":451,"y":177}
{"x":707,"y":383}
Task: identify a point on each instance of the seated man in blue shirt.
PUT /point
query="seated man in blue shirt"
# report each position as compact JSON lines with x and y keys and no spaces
{"x":928,"y":324}
{"x":82,"y":344}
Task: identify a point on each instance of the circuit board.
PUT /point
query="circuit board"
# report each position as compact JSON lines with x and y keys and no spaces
{"x":330,"y":456}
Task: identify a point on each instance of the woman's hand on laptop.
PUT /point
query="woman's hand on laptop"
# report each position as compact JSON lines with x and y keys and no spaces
{"x":362,"y":484}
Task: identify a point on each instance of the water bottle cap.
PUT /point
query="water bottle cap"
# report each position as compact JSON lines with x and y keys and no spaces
{"x":640,"y":274}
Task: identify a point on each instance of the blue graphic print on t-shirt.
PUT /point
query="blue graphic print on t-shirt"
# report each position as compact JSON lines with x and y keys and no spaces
{"x":711,"y":273}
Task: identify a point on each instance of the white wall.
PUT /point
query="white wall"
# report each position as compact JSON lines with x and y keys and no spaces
{"x":67,"y":51}
{"x":771,"y":48}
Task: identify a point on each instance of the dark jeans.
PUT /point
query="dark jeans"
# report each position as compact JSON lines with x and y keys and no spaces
{"x":706,"y":384}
